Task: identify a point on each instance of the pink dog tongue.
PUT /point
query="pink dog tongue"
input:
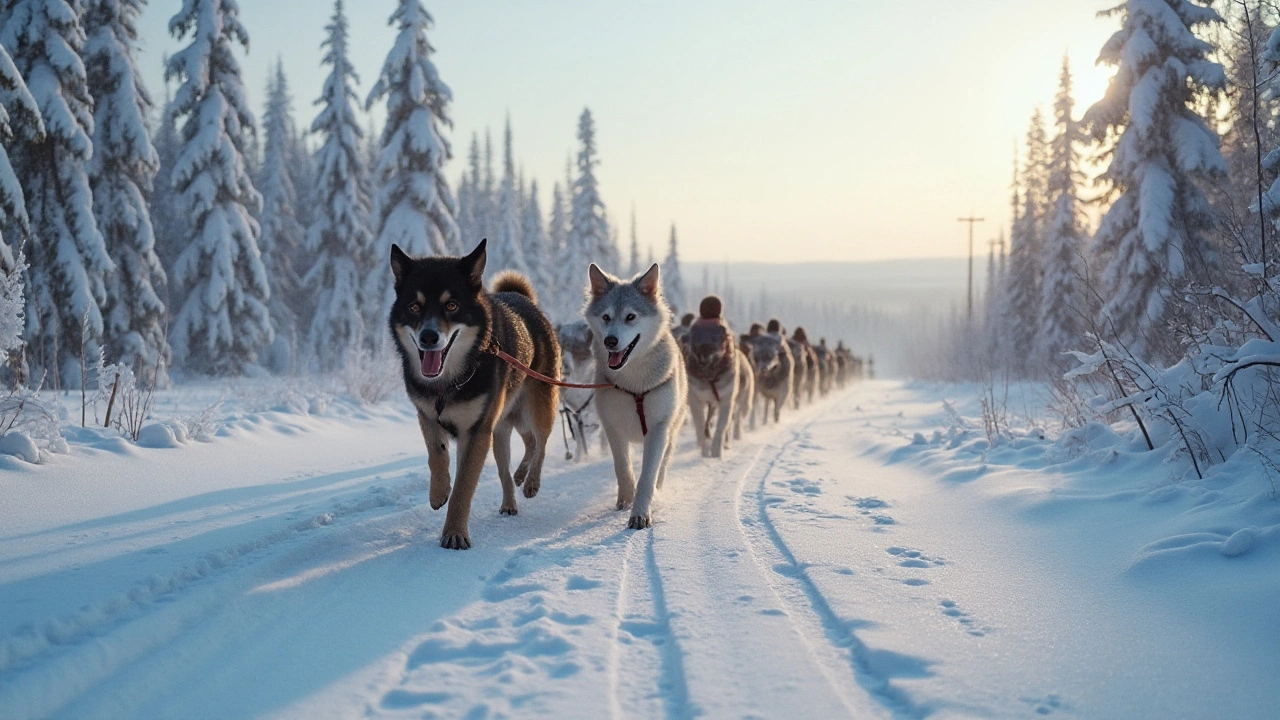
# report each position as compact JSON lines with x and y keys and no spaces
{"x":615,"y":358}
{"x":432,"y":363}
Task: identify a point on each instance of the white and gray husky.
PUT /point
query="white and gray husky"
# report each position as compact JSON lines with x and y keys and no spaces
{"x":636,"y":353}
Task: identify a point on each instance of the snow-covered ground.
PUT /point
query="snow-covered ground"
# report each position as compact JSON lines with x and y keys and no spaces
{"x":870,"y":557}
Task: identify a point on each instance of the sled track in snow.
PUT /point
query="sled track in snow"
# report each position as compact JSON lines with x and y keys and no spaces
{"x":80,"y":649}
{"x":644,"y":631}
{"x":667,"y":622}
{"x":807,"y":606}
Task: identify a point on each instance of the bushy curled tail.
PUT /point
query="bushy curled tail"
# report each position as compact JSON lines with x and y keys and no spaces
{"x":514,"y":282}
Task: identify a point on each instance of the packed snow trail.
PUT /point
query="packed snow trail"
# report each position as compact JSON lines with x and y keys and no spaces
{"x":820,"y":569}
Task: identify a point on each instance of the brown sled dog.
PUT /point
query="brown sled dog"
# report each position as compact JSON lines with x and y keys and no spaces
{"x":720,"y":379}
{"x":446,"y":326}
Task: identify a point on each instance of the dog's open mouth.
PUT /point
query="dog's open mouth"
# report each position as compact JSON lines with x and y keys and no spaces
{"x":433,"y":360}
{"x":618,"y":358}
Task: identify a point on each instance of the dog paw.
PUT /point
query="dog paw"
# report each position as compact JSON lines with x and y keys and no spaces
{"x":532,"y":487}
{"x":521,"y":473}
{"x":639,"y":522}
{"x":509,"y":509}
{"x":455,"y":540}
{"x":439,"y":495}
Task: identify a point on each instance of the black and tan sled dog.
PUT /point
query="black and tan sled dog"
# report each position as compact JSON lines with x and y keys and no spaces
{"x":447,"y":327}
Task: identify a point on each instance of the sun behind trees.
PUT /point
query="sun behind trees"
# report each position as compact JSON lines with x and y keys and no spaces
{"x":1167,"y":314}
{"x":1174,"y":214}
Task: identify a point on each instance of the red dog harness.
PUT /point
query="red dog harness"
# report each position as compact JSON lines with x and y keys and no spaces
{"x":493,"y":349}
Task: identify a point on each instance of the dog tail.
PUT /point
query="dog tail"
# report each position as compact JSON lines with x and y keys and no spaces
{"x":513,"y":282}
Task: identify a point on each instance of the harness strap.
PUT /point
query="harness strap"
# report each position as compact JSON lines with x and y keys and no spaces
{"x":566,"y":429}
{"x":644,"y":426}
{"x":493,"y":349}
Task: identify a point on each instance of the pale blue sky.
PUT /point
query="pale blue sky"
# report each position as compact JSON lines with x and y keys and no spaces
{"x":769,"y":131}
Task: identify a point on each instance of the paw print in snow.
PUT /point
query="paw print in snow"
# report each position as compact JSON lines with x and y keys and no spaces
{"x":909,"y":558}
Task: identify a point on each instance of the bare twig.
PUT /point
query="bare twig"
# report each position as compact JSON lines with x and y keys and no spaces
{"x":111,"y":403}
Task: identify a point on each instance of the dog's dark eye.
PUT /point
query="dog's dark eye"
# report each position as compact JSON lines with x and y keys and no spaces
{"x":415,"y":308}
{"x":450,"y":306}
{"x":605,"y":318}
{"x":631,"y":317}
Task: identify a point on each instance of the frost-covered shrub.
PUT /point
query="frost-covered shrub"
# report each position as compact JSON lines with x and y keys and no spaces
{"x":123,"y":398}
{"x":1222,"y":397}
{"x":35,"y":416}
{"x":30,"y":420}
{"x":204,"y":424}
{"x":12,"y":307}
{"x":370,"y":378}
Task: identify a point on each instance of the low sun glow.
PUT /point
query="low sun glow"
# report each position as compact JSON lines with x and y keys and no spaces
{"x":1089,"y":81}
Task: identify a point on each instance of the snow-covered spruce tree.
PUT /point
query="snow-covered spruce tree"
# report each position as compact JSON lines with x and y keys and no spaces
{"x":282,"y":233}
{"x":303,"y":170}
{"x":1062,"y":298}
{"x":1152,"y":240}
{"x":1035,"y":173}
{"x":993,"y":303}
{"x":219,"y":284}
{"x":536,"y":247}
{"x":340,"y":240}
{"x":990,"y":289}
{"x":564,"y":292}
{"x":120,"y":174}
{"x":372,"y":151}
{"x":468,"y":223}
{"x":12,"y":307}
{"x":997,"y":310}
{"x":557,"y":223}
{"x":487,"y":194}
{"x":66,"y":282}
{"x":588,"y":237}
{"x":1248,"y":132}
{"x":164,"y":203}
{"x":1269,"y":63}
{"x":414,"y":207}
{"x":1021,"y":308}
{"x":611,"y":253}
{"x":672,"y":278}
{"x":504,"y":251}
{"x":20,"y":122}
{"x":633,"y":262}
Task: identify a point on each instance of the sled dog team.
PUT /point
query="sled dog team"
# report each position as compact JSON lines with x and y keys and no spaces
{"x":480,"y":363}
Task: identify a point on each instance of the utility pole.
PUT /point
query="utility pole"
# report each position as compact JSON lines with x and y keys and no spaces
{"x":971,"y":220}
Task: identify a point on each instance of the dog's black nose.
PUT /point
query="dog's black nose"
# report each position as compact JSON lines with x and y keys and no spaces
{"x":428,"y":337}
{"x":611,"y":342}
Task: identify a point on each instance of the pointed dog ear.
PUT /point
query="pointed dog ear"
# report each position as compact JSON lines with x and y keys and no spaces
{"x":648,"y":282}
{"x":400,"y":263}
{"x":600,"y":283}
{"x":473,"y":265}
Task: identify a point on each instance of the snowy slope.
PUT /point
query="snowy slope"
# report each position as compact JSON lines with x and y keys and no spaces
{"x":827,"y":567}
